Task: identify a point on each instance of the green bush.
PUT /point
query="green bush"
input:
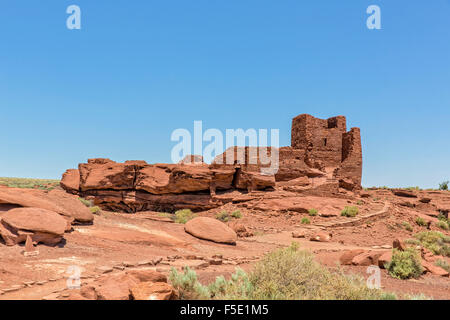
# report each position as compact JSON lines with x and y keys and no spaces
{"x":421,"y":222}
{"x":350,"y":211}
{"x":305,"y":221}
{"x":441,"y":216}
{"x":407,"y":226}
{"x":223,"y":216}
{"x":283,"y":274}
{"x":313,"y":212}
{"x":236,"y":214}
{"x":359,"y":202}
{"x":435,"y":241}
{"x":189,"y":288}
{"x":444,"y":185}
{"x":293,"y":274}
{"x":95,"y":210}
{"x":184,"y":215}
{"x":442,"y":224}
{"x":405,"y":264}
{"x":187,"y":285}
{"x":238,"y":287}
{"x":87,"y":203}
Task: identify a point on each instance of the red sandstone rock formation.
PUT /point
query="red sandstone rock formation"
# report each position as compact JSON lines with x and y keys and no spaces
{"x":41,"y":225}
{"x":323,"y":157}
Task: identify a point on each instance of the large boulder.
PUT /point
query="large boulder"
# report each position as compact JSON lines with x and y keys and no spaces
{"x":56,"y":200}
{"x":29,"y":198}
{"x":433,"y":269}
{"x":211,"y":229}
{"x":384,"y":259}
{"x":72,"y":206}
{"x":367,"y":258}
{"x":347,"y":257}
{"x":42,"y":225}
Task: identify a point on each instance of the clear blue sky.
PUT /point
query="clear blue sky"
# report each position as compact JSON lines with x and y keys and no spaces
{"x":137,"y":70}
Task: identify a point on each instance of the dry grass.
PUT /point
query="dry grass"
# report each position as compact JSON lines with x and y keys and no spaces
{"x":42,"y":184}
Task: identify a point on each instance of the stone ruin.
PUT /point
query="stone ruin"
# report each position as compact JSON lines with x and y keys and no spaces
{"x":324,"y":159}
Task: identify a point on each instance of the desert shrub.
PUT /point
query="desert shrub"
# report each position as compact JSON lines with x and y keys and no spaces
{"x":441,"y":216}
{"x":223,"y":216}
{"x":443,"y":264}
{"x":95,"y":210}
{"x":405,"y":264}
{"x":435,"y":241}
{"x":286,"y":273}
{"x":407,"y":226}
{"x":350,"y":211}
{"x":444,"y":185}
{"x":87,"y":203}
{"x":236,"y":214}
{"x":293,"y":274}
{"x":421,"y":221}
{"x":189,"y":288}
{"x":187,"y":285}
{"x":305,"y":221}
{"x":442,"y":224}
{"x":414,"y":242}
{"x":184,"y":215}
{"x":238,"y":287}
{"x":359,"y":202}
{"x":313,"y":212}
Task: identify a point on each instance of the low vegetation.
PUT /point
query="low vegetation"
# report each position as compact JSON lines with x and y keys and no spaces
{"x":442,"y":224}
{"x":87,"y":203}
{"x":184,"y":215}
{"x":236,"y":214}
{"x":405,"y":264}
{"x":421,"y":222}
{"x":305,"y":221}
{"x":224,"y":216}
{"x":42,"y":184}
{"x":285,"y":274}
{"x":313,"y":212}
{"x":350,"y":211}
{"x":407,"y":226}
{"x":434,"y":241}
{"x":95,"y":210}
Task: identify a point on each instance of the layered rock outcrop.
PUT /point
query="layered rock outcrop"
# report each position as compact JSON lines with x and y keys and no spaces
{"x":323,"y":157}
